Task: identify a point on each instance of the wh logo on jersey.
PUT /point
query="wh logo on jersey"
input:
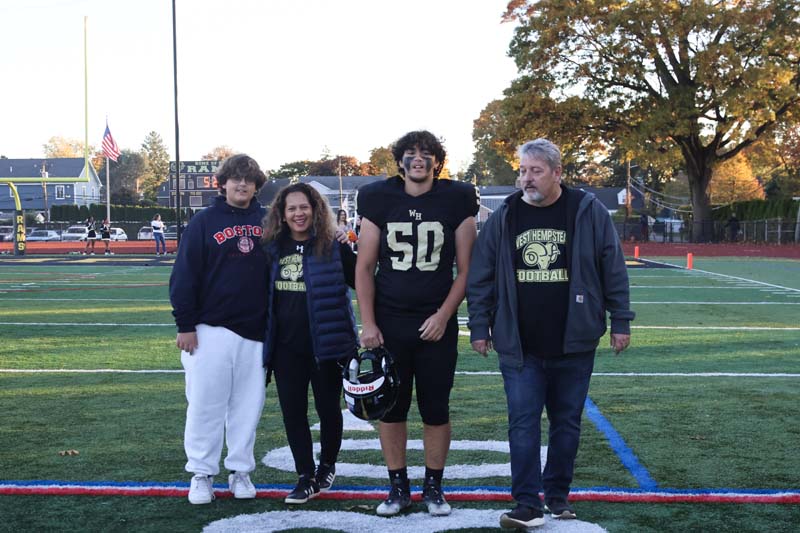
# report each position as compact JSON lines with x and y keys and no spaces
{"x":232,"y":232}
{"x":414,"y":215}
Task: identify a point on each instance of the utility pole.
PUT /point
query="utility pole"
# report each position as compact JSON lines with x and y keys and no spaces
{"x":45,"y":175}
{"x":341,"y":202}
{"x":628,"y":191}
{"x":177,"y":136}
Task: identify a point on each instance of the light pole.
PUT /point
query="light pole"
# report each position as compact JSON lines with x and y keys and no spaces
{"x":341,"y":202}
{"x":177,"y":136}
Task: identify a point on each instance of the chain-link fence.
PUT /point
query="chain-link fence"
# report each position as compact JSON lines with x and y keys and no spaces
{"x":774,"y":231}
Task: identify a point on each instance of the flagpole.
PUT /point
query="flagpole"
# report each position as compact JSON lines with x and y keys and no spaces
{"x":108,"y":195}
{"x":177,"y":136}
{"x":85,"y":100}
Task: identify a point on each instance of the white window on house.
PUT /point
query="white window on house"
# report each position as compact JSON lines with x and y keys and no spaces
{"x":83,"y":192}
{"x":60,"y":192}
{"x":93,"y":193}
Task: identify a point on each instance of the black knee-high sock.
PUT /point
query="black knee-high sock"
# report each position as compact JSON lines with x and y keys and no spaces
{"x":400,"y":475}
{"x":433,"y":476}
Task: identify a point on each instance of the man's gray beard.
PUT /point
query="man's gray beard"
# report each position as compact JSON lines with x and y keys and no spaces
{"x":534,"y":196}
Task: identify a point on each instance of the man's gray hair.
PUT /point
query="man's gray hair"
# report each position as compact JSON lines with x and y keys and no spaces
{"x":542,"y":149}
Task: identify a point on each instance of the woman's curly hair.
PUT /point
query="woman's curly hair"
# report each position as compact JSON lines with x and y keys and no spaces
{"x":323,"y":227}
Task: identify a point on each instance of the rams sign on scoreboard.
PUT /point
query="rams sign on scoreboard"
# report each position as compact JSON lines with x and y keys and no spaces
{"x":198,"y":184}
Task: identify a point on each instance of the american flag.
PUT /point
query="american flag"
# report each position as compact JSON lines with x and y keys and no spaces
{"x":110,"y":148}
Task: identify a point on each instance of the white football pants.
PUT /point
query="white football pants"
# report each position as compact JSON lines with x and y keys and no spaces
{"x":225,"y":388}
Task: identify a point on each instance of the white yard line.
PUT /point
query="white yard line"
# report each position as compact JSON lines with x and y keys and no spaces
{"x":696,"y":287}
{"x":699,"y":328}
{"x":85,"y":324}
{"x":722,"y":328}
{"x":714,"y":303}
{"x":109,"y":284}
{"x":732,"y":278}
{"x":35,"y":299}
{"x":459,"y":373}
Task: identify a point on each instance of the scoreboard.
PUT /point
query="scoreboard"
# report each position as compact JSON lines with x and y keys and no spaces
{"x":197,"y":181}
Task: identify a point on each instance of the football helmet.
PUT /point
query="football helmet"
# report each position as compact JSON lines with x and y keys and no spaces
{"x":370,"y":383}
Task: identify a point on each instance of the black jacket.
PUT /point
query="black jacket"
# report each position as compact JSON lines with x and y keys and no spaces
{"x":598,"y":279}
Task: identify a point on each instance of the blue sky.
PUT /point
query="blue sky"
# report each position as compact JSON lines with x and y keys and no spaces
{"x":281,"y":80}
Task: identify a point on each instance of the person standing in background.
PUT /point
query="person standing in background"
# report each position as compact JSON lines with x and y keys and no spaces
{"x":105,"y":235}
{"x":91,"y":234}
{"x":158,"y":234}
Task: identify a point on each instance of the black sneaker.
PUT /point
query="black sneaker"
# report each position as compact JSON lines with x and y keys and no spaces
{"x":325,"y":475}
{"x":522,"y":517}
{"x":399,"y":499}
{"x":433,"y":497}
{"x":559,"y":508}
{"x":306,"y":489}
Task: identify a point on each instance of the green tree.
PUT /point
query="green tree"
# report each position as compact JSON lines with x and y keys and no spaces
{"x":381,"y":162}
{"x":58,"y":146}
{"x":156,"y":159}
{"x":220,"y":153}
{"x":734,"y":181}
{"x":705,"y":78}
{"x":776,"y":160}
{"x":124,"y":176}
{"x":292,"y":170}
{"x":347,"y":164}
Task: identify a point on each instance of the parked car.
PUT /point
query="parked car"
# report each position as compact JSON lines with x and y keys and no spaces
{"x":145,"y":234}
{"x":6,"y":233}
{"x":75,"y":233}
{"x":44,"y":235}
{"x":171,"y":232}
{"x":118,"y":234}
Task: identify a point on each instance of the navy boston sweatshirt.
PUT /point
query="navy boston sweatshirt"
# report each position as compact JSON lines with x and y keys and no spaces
{"x":220,"y":273}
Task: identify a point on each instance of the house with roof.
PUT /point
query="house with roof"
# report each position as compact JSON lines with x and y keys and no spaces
{"x":42,"y":196}
{"x":613,"y":198}
{"x":328,"y":186}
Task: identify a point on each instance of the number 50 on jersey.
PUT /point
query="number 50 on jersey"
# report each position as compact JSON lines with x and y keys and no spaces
{"x":419,"y":243}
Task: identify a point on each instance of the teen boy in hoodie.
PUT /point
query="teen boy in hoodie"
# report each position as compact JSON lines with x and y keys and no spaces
{"x":218,"y":291}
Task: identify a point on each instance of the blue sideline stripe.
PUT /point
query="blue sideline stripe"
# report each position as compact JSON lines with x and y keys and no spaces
{"x":625,"y":454}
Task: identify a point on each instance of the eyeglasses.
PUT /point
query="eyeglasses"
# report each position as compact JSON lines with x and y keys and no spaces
{"x":240,"y":179}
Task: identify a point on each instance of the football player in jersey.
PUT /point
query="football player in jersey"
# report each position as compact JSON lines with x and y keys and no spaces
{"x":413,"y":228}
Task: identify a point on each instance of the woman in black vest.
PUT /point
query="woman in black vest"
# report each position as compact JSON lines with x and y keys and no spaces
{"x":310,"y":327}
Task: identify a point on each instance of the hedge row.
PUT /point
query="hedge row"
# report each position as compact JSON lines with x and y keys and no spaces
{"x":759,"y":209}
{"x":119,"y":213}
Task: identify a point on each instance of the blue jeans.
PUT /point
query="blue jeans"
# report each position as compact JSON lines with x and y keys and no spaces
{"x":159,"y":238}
{"x":560,"y":386}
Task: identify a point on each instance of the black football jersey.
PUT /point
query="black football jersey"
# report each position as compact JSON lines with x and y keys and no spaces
{"x":417,"y":247}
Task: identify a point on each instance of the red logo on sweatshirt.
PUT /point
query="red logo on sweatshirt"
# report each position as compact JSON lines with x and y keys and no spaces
{"x":232,"y":232}
{"x":245,"y":245}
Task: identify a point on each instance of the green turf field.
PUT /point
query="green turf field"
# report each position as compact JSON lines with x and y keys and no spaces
{"x":707,"y":399}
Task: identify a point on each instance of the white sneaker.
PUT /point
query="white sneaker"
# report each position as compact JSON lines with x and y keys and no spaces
{"x":201,"y":490}
{"x":240,"y":485}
